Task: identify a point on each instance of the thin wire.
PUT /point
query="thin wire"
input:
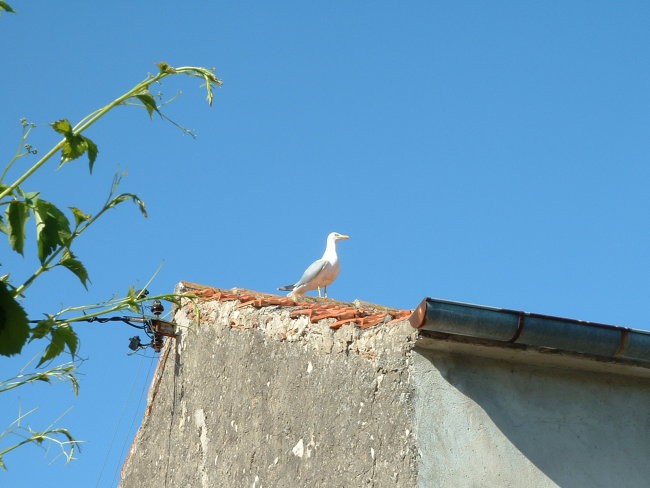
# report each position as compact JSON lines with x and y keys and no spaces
{"x":135,"y":413}
{"x":126,"y":402}
{"x":103,"y":320}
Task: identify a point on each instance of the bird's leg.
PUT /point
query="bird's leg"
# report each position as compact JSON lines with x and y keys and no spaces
{"x":318,"y":291}
{"x":325,"y":288}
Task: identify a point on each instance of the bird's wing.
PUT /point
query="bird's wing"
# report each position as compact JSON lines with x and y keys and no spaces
{"x":312,"y":272}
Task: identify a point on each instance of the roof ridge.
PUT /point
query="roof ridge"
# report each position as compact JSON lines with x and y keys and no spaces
{"x":363,"y":314}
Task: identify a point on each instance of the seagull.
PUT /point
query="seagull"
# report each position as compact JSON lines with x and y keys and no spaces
{"x":321,"y":272}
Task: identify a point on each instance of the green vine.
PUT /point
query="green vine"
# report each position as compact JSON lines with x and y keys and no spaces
{"x":56,"y":232}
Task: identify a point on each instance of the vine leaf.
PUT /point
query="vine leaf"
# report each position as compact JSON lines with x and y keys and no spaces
{"x":14,"y":327}
{"x":92,"y":149}
{"x":69,"y":260}
{"x":79,"y":216}
{"x":69,"y":336}
{"x":148,"y":101}
{"x":17,"y":216}
{"x":61,"y":336}
{"x":62,"y":126}
{"x":42,"y":328}
{"x":75,"y":145}
{"x":54,"y":348}
{"x":122,"y":197}
{"x":6,"y":7}
{"x":52,"y":228}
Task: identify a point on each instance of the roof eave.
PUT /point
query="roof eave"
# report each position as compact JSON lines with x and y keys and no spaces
{"x":489,"y":327}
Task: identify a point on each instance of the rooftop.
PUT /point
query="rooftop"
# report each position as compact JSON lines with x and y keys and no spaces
{"x":362,"y":314}
{"x":471,"y":329}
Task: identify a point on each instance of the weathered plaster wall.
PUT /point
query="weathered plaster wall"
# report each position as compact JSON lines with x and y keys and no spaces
{"x":253,"y":398}
{"x":485,"y":422}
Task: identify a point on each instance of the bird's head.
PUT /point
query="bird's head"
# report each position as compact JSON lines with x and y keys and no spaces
{"x":335,"y":236}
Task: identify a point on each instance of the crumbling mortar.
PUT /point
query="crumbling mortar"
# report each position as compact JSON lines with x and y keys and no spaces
{"x":347,"y":339}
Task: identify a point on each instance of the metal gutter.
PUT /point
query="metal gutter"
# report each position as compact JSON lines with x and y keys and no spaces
{"x":510,"y":327}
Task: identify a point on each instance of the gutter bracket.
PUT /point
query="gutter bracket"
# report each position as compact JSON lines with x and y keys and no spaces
{"x":520,"y":327}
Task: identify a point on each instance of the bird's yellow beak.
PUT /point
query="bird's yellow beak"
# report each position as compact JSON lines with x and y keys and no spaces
{"x":342,"y":237}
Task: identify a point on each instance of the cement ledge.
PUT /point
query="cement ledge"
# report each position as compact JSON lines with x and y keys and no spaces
{"x":536,"y":356}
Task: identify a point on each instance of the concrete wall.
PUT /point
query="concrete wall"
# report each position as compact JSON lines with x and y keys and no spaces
{"x":490,"y":423}
{"x":253,"y":398}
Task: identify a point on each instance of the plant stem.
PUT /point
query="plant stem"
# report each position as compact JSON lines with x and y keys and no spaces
{"x":80,"y":127}
{"x":89,"y":120}
{"x":64,"y":370}
{"x":26,"y":130}
{"x":31,"y":170}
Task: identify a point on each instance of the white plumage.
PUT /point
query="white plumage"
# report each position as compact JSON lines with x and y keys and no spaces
{"x":321,"y":272}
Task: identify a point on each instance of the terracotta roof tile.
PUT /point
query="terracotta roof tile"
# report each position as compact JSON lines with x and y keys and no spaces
{"x":362,"y":315}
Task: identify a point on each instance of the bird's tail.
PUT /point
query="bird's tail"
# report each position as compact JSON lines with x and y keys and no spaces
{"x":287,"y":288}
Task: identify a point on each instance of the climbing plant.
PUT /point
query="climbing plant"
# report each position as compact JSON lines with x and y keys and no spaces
{"x":56,"y":231}
{"x":5,"y":7}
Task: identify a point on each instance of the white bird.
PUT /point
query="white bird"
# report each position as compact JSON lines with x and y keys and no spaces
{"x":320,"y":273}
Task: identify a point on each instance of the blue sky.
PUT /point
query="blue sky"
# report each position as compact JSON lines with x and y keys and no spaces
{"x":494,"y":153}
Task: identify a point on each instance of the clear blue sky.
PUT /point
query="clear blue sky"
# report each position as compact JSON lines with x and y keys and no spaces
{"x":494,"y":153}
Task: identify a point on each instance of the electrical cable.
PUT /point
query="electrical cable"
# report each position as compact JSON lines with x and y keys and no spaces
{"x":122,"y":459}
{"x":119,"y":423}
